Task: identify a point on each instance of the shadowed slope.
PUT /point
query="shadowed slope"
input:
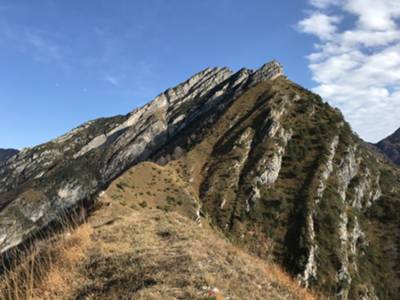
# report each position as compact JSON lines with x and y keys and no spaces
{"x":5,"y":154}
{"x":390,"y":146}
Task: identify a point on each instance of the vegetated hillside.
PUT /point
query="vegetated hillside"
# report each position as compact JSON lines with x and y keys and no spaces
{"x":6,"y":154}
{"x":271,"y":165}
{"x":145,"y":241}
{"x":281,"y":165}
{"x":390,"y":147}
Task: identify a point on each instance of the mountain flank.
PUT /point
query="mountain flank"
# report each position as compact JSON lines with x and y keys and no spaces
{"x":251,"y":159}
{"x":390,"y":147}
{"x":5,"y":154}
{"x":130,"y":249}
{"x":40,"y":183}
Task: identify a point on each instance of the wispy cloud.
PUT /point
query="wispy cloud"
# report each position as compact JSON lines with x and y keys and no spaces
{"x":112,"y":79}
{"x":46,"y":50}
{"x":37,"y":43}
{"x":357,"y":66}
{"x":73,"y":54}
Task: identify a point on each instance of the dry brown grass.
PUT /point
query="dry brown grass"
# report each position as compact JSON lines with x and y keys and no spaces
{"x":293,"y":284}
{"x":125,"y":251}
{"x":166,"y":255}
{"x":154,"y":186}
{"x":147,"y":254}
{"x":49,"y":268}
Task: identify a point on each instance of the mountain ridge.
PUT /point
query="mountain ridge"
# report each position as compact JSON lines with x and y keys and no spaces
{"x":270,"y":164}
{"x":153,"y":123}
{"x":346,"y":178}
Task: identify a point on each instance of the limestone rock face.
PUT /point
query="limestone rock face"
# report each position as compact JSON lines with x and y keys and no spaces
{"x":74,"y":167}
{"x":269,"y":163}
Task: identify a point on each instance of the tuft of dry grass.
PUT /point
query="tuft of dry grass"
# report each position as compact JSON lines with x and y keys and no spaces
{"x":48,"y":268}
{"x":285,"y":279}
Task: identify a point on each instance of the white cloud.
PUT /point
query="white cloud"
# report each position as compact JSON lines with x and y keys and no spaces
{"x":319,"y":24}
{"x":374,"y":14}
{"x":356,"y":64}
{"x":369,"y":38}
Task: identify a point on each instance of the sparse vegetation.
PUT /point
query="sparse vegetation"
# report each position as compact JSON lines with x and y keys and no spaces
{"x":50,"y":268}
{"x":123,"y":253}
{"x":250,"y":174}
{"x":143,"y":204}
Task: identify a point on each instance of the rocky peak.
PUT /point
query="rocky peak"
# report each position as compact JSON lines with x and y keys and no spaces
{"x":274,"y":167}
{"x":269,"y":70}
{"x":197,"y":84}
{"x":395,"y":137}
{"x":76,"y":166}
{"x":390,"y":147}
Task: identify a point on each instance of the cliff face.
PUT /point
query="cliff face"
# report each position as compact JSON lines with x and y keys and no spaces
{"x":270,"y":164}
{"x":5,"y":154}
{"x":39,"y":184}
{"x":390,"y":147}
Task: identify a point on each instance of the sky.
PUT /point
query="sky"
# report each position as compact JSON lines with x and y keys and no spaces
{"x":63,"y":63}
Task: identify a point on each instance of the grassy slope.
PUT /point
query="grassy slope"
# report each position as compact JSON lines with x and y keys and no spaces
{"x":131,"y":250}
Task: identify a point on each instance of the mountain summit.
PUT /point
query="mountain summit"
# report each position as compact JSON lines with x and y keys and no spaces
{"x":79,"y":164}
{"x":249,"y":154}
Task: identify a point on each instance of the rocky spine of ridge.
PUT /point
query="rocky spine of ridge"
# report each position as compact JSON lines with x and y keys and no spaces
{"x":390,"y":147}
{"x":42,"y":183}
{"x":269,"y":163}
{"x":5,"y":154}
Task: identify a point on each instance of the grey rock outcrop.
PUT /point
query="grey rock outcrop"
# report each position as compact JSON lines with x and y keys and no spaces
{"x":268,"y":162}
{"x":39,"y":184}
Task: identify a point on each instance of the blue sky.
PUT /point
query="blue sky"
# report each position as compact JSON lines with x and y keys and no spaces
{"x":63,"y":63}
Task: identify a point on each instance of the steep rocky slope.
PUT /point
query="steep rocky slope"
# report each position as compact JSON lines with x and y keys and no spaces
{"x":41,"y":183}
{"x":131,"y":250}
{"x":390,"y":147}
{"x":281,"y":166}
{"x":271,"y":165}
{"x":5,"y":154}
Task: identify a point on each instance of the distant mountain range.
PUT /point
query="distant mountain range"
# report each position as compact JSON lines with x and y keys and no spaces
{"x":390,"y":147}
{"x":6,"y":154}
